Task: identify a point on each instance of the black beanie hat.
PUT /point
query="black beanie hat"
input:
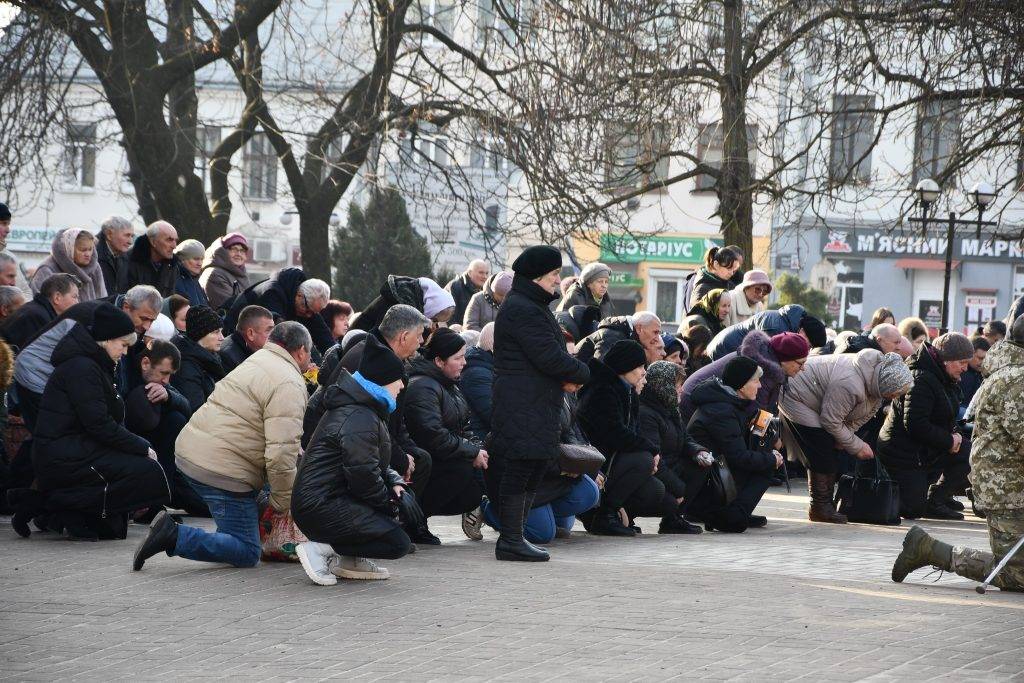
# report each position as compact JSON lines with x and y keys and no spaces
{"x":201,"y":321}
{"x":5,"y":213}
{"x":739,"y":371}
{"x":815,"y":331}
{"x":379,"y":363}
{"x":110,"y":322}
{"x":537,"y":260}
{"x":625,"y":356}
{"x":443,"y":343}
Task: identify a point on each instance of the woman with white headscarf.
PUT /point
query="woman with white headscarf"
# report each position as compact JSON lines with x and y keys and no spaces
{"x":73,"y":251}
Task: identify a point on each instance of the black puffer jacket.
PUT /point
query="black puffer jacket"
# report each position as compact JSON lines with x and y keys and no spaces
{"x":919,"y":428}
{"x":277,"y":295}
{"x":437,"y":415}
{"x":398,"y":289}
{"x":608,"y":332}
{"x":609,"y":413}
{"x":704,"y":282}
{"x":22,"y":326}
{"x":200,"y":370}
{"x":342,"y":489}
{"x":462,"y":290}
{"x":579,"y":321}
{"x":856,"y":344}
{"x":141,"y":270}
{"x":721,"y":423}
{"x":233,"y":351}
{"x":81,"y":414}
{"x":664,"y":427}
{"x":530,"y":367}
{"x":477,"y":384}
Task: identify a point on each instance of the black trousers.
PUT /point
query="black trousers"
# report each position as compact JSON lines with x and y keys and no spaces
{"x":939,"y":481}
{"x":734,"y":517}
{"x":28,"y":403}
{"x":819,"y":448}
{"x":183,"y":496}
{"x":630,"y":484}
{"x":421,"y":475}
{"x":451,"y":490}
{"x":391,"y":546}
{"x":683,"y":477}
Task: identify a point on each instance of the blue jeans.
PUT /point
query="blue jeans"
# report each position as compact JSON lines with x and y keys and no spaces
{"x":237,"y":539}
{"x":561,"y":512}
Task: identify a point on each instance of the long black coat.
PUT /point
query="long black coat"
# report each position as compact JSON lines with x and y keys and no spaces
{"x":81,"y":414}
{"x":609,"y":413}
{"x":24,"y":324}
{"x":141,"y":270}
{"x":721,"y":422}
{"x":111,"y":265}
{"x":919,"y":428}
{"x":200,"y":370}
{"x":342,"y":489}
{"x":277,"y":295}
{"x":462,"y":290}
{"x":704,"y":282}
{"x":437,"y":414}
{"x":530,"y":367}
{"x":677,"y":448}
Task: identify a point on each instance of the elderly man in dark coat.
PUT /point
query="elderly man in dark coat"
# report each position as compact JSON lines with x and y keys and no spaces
{"x":151,"y":260}
{"x":532,"y":369}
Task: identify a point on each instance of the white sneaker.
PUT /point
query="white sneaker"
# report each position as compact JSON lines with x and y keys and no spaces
{"x":472,"y":523}
{"x":316,"y":560}
{"x":359,"y":568}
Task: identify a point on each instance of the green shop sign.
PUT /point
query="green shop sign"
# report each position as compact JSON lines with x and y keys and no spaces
{"x":628,"y":249}
{"x":623,"y":279}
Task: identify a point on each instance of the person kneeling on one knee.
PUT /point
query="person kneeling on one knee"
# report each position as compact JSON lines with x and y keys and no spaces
{"x":346,"y":494}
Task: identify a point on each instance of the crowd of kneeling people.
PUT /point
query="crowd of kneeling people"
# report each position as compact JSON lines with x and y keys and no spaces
{"x":480,"y":399}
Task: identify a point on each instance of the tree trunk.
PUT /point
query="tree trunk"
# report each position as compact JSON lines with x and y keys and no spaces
{"x":315,"y":240}
{"x":735,"y":198}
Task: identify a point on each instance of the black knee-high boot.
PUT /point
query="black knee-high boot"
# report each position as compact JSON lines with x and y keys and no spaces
{"x":511,"y":545}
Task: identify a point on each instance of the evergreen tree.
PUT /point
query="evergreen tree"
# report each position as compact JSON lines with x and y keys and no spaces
{"x":378,"y":241}
{"x":792,"y":290}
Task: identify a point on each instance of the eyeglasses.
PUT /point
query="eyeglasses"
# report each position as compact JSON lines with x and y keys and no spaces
{"x":762,"y":289}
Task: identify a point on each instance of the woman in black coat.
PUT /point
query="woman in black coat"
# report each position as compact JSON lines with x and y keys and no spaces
{"x":344,"y":496}
{"x":532,"y":369}
{"x":684,"y":465}
{"x":201,"y":366}
{"x":609,"y":413}
{"x":91,"y":471}
{"x":722,"y":423}
{"x":919,"y":441}
{"x":437,"y":417}
{"x":720,"y":265}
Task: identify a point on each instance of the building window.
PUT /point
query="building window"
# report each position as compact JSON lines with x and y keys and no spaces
{"x":489,"y":154}
{"x":1018,"y":281}
{"x":260,"y":164}
{"x":938,"y":130}
{"x":635,"y":157}
{"x":207,"y":141}
{"x":431,"y":143}
{"x":711,"y":151}
{"x":438,"y":14}
{"x":511,"y":19}
{"x":80,"y":155}
{"x":333,"y":156}
{"x":846,"y":305}
{"x":853,"y":134}
{"x":664,"y":294}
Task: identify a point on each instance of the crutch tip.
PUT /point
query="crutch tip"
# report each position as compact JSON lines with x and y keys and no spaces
{"x":980,"y":590}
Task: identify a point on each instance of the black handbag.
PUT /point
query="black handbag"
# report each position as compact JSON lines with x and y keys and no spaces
{"x":722,"y":483}
{"x":869,"y":500}
{"x":577,"y":459}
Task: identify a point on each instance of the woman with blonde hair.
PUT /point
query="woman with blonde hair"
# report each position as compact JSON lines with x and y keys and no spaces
{"x":915,"y":330}
{"x":73,"y":251}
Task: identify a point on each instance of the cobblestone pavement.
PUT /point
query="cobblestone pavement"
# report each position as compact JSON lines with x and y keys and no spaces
{"x":792,"y":601}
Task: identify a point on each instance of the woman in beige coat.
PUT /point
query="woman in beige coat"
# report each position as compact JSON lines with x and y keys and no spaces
{"x":825,"y":405}
{"x":73,"y":251}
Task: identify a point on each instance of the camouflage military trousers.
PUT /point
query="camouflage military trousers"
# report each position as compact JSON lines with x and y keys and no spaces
{"x":1005,"y":527}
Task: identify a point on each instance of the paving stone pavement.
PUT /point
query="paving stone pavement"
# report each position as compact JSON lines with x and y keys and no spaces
{"x":793,"y":601}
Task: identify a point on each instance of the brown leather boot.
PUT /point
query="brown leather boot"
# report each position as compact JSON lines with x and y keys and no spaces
{"x":823,"y":509}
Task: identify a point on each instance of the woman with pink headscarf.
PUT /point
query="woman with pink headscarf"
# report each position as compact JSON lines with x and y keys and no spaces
{"x":73,"y":251}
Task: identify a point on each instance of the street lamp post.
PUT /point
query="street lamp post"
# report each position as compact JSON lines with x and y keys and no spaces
{"x":927,"y":190}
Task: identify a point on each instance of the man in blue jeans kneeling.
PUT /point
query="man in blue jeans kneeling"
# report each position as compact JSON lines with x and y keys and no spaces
{"x":245,"y":436}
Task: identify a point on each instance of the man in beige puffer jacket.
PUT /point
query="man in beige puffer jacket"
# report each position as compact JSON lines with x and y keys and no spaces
{"x":244,"y":437}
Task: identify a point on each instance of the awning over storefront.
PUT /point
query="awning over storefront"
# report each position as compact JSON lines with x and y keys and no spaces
{"x":923,"y":264}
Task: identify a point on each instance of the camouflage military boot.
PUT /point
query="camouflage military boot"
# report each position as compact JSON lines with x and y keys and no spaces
{"x":921,"y":550}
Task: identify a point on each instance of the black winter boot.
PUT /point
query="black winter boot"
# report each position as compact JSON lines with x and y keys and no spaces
{"x":527,"y":506}
{"x":607,"y":523}
{"x":162,"y":537}
{"x":675,"y":524}
{"x":26,"y":503}
{"x":511,"y":545}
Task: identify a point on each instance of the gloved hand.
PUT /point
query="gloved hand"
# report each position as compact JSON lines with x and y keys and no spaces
{"x":409,"y":510}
